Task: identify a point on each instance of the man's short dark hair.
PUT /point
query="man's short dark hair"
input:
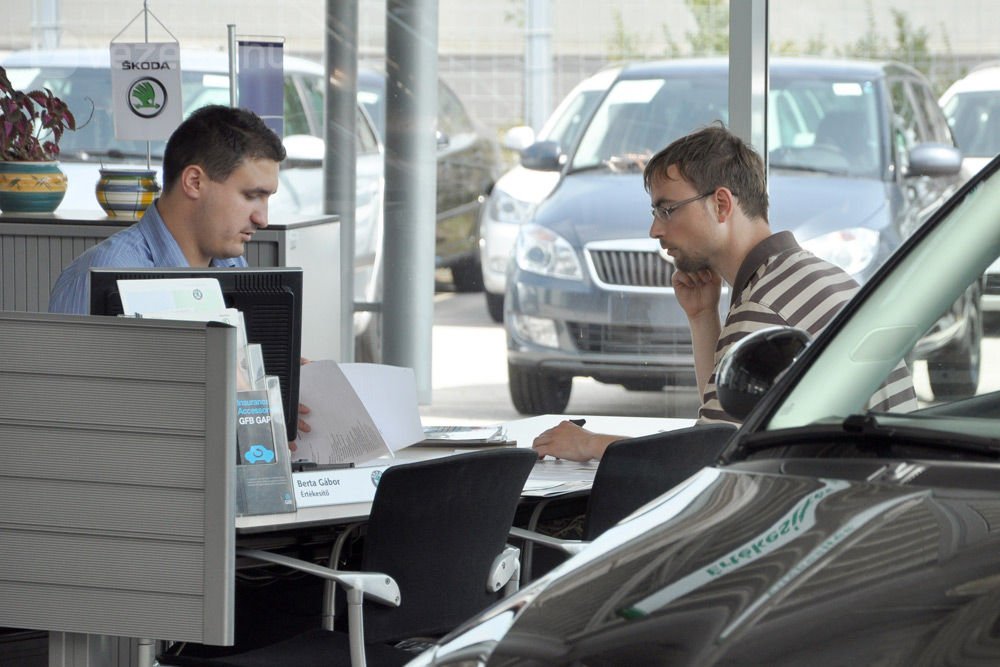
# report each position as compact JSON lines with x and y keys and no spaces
{"x":218,"y":138}
{"x":714,"y":157}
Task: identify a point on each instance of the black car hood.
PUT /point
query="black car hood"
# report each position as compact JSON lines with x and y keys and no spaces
{"x":601,"y":204}
{"x":781,"y":569}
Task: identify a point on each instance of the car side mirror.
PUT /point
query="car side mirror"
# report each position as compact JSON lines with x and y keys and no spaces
{"x":753,"y":364}
{"x":934,"y":159}
{"x":303,"y":150}
{"x":543,"y":156}
{"x":518,"y":138}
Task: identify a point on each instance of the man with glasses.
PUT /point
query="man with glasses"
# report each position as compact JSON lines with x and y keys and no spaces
{"x":709,"y":198}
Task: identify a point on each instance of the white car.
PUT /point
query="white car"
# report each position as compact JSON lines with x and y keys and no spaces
{"x":82,"y":77}
{"x":518,"y":191}
{"x":972,"y":107}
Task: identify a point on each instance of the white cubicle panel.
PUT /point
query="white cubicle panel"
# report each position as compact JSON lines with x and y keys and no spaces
{"x":116,"y":477}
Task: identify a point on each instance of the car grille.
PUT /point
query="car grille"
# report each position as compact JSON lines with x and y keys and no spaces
{"x":634,"y":268}
{"x":614,"y":339}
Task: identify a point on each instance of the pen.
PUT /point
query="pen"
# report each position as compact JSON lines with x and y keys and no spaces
{"x":578,"y":422}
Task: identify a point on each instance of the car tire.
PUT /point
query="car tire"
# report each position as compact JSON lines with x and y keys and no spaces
{"x":467,"y":276}
{"x":645,"y":384}
{"x":536,"y":392}
{"x":494,"y":306}
{"x":954,"y":371}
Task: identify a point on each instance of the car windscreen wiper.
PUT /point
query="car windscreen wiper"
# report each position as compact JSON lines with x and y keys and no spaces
{"x":810,"y":168}
{"x":866,"y":433}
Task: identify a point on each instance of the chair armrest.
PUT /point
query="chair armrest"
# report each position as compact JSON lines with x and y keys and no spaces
{"x":569,"y":547}
{"x":505,"y":572}
{"x":379,"y":587}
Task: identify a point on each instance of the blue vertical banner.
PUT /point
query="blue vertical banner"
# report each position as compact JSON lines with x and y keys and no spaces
{"x":260,"y":80}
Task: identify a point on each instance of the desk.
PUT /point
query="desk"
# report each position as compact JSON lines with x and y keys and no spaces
{"x":523,"y":431}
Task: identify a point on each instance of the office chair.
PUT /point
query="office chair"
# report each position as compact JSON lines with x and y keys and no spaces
{"x":437,"y":531}
{"x":633,"y":472}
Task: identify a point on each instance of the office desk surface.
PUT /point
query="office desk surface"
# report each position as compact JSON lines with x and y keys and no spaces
{"x":523,"y":431}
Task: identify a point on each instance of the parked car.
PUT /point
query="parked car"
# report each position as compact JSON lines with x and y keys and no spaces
{"x":972,"y":107}
{"x":83,"y":79}
{"x":827,"y":534}
{"x":519,"y":189}
{"x":860,"y":155}
{"x":468,"y":164}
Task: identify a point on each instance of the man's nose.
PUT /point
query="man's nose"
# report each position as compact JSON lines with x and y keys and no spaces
{"x":259,"y":217}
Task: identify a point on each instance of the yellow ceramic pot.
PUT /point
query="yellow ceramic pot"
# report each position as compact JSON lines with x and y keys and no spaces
{"x":31,"y":187}
{"x":126,"y":193}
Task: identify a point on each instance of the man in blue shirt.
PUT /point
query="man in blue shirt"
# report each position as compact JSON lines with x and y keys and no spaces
{"x":220,"y":167}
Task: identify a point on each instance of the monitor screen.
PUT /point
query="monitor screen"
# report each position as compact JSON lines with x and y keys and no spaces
{"x":269,"y":298}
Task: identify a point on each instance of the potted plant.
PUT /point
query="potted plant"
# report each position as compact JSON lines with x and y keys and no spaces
{"x":31,"y":125}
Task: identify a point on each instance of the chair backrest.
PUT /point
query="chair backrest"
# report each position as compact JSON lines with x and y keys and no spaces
{"x":117,"y":477}
{"x":436,"y":527}
{"x":632,"y":472}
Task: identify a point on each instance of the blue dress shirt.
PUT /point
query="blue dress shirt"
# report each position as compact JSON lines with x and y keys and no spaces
{"x":146,"y":244}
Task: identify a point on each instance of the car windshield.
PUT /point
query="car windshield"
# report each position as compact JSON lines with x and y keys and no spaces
{"x":84,"y":89}
{"x":816,"y":124}
{"x":975,"y":121}
{"x":918,"y":310}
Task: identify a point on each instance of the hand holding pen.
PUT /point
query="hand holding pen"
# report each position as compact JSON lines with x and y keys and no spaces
{"x":569,"y":440}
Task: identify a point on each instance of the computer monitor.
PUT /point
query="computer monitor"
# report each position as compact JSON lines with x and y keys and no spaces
{"x":269,"y":298}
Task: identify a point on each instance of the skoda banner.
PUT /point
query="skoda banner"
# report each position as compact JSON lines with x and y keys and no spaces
{"x":146,"y":89}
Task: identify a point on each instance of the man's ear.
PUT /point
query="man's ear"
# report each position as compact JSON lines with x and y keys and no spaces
{"x":192,"y":181}
{"x":725,"y":203}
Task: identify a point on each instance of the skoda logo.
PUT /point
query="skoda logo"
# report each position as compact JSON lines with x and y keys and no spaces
{"x":197,"y":295}
{"x":147,"y":97}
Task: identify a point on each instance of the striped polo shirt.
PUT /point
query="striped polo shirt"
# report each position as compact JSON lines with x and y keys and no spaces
{"x":779,"y":283}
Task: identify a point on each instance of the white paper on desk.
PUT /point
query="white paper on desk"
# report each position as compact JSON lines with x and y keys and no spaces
{"x":389,"y":393}
{"x":201,"y":298}
{"x":341,"y":429}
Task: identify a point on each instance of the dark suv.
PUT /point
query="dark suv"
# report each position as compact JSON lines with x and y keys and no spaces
{"x":468,"y":164}
{"x":859,"y":157}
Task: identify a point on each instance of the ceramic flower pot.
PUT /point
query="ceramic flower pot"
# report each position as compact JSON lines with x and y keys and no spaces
{"x":31,"y":187}
{"x":126,"y":193}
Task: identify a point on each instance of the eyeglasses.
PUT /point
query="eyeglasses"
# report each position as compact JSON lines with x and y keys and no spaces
{"x":663,"y":213}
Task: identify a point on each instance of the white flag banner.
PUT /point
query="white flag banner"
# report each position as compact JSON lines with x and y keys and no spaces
{"x":146,"y":89}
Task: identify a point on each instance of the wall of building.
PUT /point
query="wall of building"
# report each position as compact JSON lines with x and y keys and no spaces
{"x":481,"y":43}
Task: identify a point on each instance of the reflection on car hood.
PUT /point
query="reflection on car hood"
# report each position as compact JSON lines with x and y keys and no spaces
{"x":785,"y":569}
{"x":600,"y":205}
{"x":812,"y":205}
{"x":596,"y":206}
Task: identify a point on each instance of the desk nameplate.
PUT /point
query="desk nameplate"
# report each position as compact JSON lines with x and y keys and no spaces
{"x":336,"y":486}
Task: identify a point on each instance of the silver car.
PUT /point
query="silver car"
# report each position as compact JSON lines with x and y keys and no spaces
{"x":82,"y":77}
{"x":859,"y":153}
{"x":519,"y":190}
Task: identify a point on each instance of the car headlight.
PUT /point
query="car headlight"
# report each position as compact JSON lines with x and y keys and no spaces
{"x":505,"y":208}
{"x":852,"y":249}
{"x":540,"y":250}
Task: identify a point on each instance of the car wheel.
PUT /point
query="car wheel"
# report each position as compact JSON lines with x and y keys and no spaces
{"x":494,"y":306}
{"x":954,"y":372}
{"x":535,"y":392}
{"x":467,"y":276}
